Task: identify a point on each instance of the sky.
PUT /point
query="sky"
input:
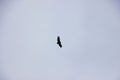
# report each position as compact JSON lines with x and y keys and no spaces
{"x":89,"y":32}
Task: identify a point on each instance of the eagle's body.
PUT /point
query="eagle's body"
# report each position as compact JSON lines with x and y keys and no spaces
{"x":59,"y":42}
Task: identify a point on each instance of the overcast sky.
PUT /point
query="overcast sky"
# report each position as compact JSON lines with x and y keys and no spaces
{"x":89,"y":31}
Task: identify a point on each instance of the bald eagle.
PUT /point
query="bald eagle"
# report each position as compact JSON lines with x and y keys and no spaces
{"x":59,"y":42}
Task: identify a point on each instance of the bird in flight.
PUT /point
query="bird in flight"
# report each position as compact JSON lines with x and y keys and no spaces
{"x":59,"y":42}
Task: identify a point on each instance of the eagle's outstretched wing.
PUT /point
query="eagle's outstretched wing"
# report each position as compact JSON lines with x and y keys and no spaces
{"x":59,"y":42}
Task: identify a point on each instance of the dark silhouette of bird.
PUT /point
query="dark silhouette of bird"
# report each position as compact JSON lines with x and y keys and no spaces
{"x":59,"y":42}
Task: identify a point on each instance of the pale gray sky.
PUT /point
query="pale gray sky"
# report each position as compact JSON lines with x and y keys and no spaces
{"x":89,"y":31}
